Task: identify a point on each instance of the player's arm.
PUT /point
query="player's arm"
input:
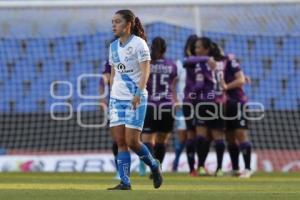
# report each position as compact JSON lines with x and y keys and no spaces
{"x":111,"y":79}
{"x":174,"y":89}
{"x":145,"y":72}
{"x":238,"y":82}
{"x":103,"y":83}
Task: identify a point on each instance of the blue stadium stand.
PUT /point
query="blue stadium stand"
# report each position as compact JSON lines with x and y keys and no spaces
{"x":27,"y":54}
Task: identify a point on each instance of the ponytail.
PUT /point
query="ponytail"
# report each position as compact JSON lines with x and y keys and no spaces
{"x":138,"y":29}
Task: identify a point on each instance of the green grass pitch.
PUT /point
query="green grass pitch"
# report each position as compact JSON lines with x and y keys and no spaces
{"x":85,"y":186}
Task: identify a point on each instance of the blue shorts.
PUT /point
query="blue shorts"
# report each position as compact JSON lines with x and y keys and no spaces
{"x":180,"y":120}
{"x":122,"y":113}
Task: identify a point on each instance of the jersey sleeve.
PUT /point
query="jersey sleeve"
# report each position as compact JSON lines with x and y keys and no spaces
{"x":234,"y":65}
{"x":143,"y":52}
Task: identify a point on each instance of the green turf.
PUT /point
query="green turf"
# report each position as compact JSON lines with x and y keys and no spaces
{"x":75,"y":186}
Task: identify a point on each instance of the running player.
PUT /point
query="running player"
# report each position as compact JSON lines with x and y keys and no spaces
{"x":162,"y":96}
{"x":129,"y":57}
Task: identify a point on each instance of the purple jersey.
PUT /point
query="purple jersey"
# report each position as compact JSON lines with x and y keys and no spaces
{"x":107,"y":70}
{"x":163,"y":72}
{"x":207,"y":87}
{"x":236,"y":94}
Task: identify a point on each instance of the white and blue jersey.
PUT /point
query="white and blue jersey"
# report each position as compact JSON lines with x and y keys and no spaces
{"x":126,"y":59}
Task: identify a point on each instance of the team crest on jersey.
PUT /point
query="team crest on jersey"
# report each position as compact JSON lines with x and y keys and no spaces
{"x":121,"y":67}
{"x":129,"y":50}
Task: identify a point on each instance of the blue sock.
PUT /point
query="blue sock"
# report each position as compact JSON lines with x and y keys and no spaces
{"x":124,"y":161}
{"x":147,"y":158}
{"x":178,"y":150}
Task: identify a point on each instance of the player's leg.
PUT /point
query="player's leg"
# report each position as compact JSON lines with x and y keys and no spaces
{"x":117,"y":128}
{"x":123,"y":158}
{"x":134,"y":120}
{"x":161,"y":146}
{"x":179,"y":147}
{"x":191,"y":134}
{"x":181,"y":137}
{"x":217,"y":131}
{"x":148,"y":135}
{"x":115,"y":153}
{"x":233,"y":150}
{"x":232,"y":147}
{"x":240,"y":125}
{"x":150,"y":128}
{"x":164,"y":128}
{"x":218,"y":137}
{"x":202,"y":148}
{"x":246,"y":149}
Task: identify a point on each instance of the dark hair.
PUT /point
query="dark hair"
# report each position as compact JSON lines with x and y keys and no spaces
{"x":190,"y":45}
{"x":158,"y":48}
{"x":213,"y":48}
{"x":216,"y":52}
{"x":136,"y":25}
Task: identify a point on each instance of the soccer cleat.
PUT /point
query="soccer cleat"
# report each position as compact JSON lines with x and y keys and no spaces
{"x":219,"y":173}
{"x":202,"y":171}
{"x":235,"y":173}
{"x":120,"y":186}
{"x":142,"y":169}
{"x":157,"y":176}
{"x":193,"y":173}
{"x":246,"y":174}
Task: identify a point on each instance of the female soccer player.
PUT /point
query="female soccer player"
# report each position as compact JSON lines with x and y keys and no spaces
{"x":162,"y":96}
{"x":210,"y":98}
{"x":129,"y":57}
{"x":188,"y":107}
{"x":181,"y":127}
{"x":236,"y":129}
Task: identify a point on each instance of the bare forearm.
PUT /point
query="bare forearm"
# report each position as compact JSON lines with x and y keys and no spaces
{"x":145,"y":70}
{"x":238,"y":83}
{"x":112,"y":75}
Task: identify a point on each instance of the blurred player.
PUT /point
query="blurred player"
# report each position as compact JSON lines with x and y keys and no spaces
{"x":181,"y":127}
{"x":104,"y":85}
{"x":210,"y":98}
{"x":162,"y":96}
{"x":236,"y":129}
{"x":188,"y":107}
{"x":129,"y":57}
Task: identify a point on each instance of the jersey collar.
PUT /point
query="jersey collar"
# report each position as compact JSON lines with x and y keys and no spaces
{"x":126,"y":42}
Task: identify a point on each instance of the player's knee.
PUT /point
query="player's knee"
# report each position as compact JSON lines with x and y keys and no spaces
{"x":230,"y":138}
{"x":133,"y":144}
{"x":241,"y":135}
{"x":121,"y":144}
